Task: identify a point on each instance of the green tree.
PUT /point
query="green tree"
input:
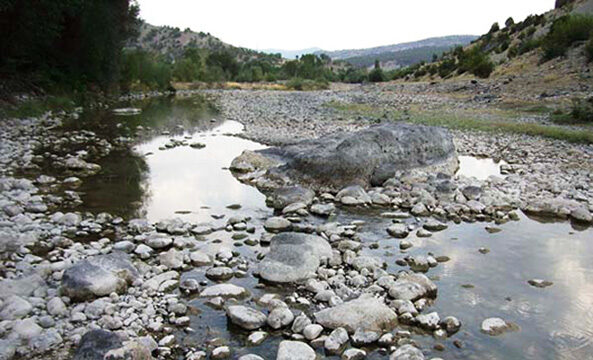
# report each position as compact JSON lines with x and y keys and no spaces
{"x":377,"y":75}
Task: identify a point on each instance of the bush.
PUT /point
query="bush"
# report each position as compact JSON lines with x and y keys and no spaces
{"x":565,"y":32}
{"x":582,"y":110}
{"x":476,"y":62}
{"x":306,"y":84}
{"x":376,"y":75}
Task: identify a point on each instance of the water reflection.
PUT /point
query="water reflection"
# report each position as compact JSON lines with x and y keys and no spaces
{"x":193,"y":180}
{"x":480,"y":168}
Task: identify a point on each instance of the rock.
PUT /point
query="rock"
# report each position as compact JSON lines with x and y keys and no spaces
{"x":23,"y":286}
{"x":539,"y":283}
{"x":257,"y":337}
{"x":277,"y":224}
{"x":224,"y":290}
{"x":157,"y":281}
{"x":95,"y":344}
{"x":399,"y":231}
{"x":293,"y":208}
{"x":251,"y":357}
{"x":171,"y":259}
{"x":363,"y":337}
{"x":221,"y":273}
{"x":295,"y":350}
{"x":353,"y":195}
{"x":221,"y":352}
{"x":158,"y":241}
{"x":366,"y":312}
{"x":284,"y":196}
{"x":323,"y":210}
{"x":353,"y":354}
{"x":497,"y":326}
{"x":451,"y":324}
{"x":56,"y":307}
{"x":246,"y":317}
{"x":434,"y":225}
{"x":199,"y":258}
{"x":429,"y":321}
{"x":365,"y":157}
{"x":407,"y":352}
{"x":420,"y":210}
{"x":45,"y":341}
{"x":412,"y":287}
{"x":423,"y":233}
{"x":250,"y":161}
{"x":280,"y":317}
{"x":293,"y":257}
{"x":336,"y":340}
{"x":370,"y":263}
{"x":404,"y":245}
{"x":98,"y":276}
{"x":312,"y":331}
{"x":299,"y":324}
{"x":27,"y":328}
{"x":15,"y":307}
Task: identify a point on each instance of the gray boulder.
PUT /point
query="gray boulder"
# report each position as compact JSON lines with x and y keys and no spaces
{"x":95,"y":344}
{"x":293,"y":257}
{"x":295,"y":350}
{"x":366,"y":157}
{"x":98,"y":276}
{"x":284,"y":196}
{"x":366,"y":313}
{"x":246,"y":317}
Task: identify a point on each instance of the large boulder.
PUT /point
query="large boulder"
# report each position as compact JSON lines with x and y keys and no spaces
{"x":293,"y":257}
{"x":367,"y":313}
{"x":95,"y":344}
{"x":98,"y":276}
{"x":366,"y":157}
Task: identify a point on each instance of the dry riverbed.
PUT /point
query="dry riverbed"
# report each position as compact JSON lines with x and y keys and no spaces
{"x":372,"y":272}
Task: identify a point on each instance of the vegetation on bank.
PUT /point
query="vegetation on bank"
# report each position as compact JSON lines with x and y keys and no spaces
{"x":73,"y":45}
{"x":498,"y":120}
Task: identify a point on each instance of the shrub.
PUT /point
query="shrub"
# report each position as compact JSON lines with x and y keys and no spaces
{"x":582,"y":110}
{"x":377,"y":75}
{"x":495,"y":27}
{"x":306,"y":84}
{"x":510,"y":22}
{"x":564,"y":32}
{"x":476,"y":62}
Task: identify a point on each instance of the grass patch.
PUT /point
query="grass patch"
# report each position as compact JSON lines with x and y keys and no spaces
{"x":349,"y":107}
{"x":494,"y":120}
{"x":306,"y":84}
{"x":37,"y":107}
{"x":452,"y":121}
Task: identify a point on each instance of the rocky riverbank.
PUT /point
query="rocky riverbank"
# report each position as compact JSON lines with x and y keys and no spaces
{"x":82,"y":285}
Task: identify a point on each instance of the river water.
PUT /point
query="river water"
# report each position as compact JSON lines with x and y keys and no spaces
{"x":193,"y":184}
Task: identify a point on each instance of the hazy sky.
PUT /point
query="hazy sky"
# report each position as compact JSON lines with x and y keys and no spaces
{"x":333,"y":25}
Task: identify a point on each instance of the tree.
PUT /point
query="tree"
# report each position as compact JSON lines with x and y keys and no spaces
{"x":495,"y":27}
{"x":377,"y":75}
{"x":75,"y":41}
{"x":510,"y":22}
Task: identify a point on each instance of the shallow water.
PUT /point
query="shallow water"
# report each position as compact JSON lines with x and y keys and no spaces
{"x":555,"y":322}
{"x":480,"y":168}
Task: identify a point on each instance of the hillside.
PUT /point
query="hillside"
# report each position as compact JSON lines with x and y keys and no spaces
{"x":398,"y":55}
{"x":546,"y":52}
{"x":172,"y":42}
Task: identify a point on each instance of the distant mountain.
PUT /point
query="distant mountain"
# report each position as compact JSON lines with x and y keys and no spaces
{"x":292,"y":54}
{"x":398,"y":55}
{"x":172,"y":42}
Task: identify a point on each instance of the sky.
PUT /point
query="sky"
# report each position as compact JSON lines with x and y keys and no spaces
{"x":335,"y":25}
